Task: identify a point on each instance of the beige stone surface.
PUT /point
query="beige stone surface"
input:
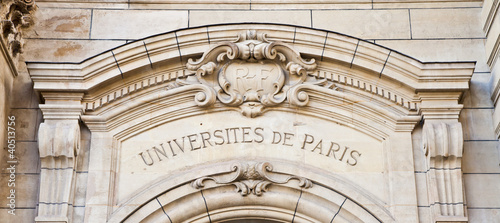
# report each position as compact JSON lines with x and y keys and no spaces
{"x":446,"y":23}
{"x":26,"y":190}
{"x":135,"y":173}
{"x":23,"y":95}
{"x":483,"y":215}
{"x":61,"y":23}
{"x":28,"y":159}
{"x":482,"y":190}
{"x":477,"y":124}
{"x":26,"y":122}
{"x":135,"y":24}
{"x":66,"y":50}
{"x":442,"y":50}
{"x":300,"y":17}
{"x":479,"y":94}
{"x":22,"y":215}
{"x":385,"y":4}
{"x":365,"y":24}
{"x":483,"y":152}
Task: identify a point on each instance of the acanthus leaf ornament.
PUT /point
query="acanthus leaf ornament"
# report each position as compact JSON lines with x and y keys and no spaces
{"x":252,"y":73}
{"x":251,"y":178}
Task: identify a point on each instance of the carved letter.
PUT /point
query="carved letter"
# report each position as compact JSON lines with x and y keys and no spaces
{"x":354,"y":157}
{"x":306,"y":141}
{"x":287,"y":137}
{"x":274,"y":137}
{"x":261,"y":134}
{"x":219,"y":136}
{"x":203,"y":139}
{"x":144,"y":159}
{"x":191,"y":140}
{"x":246,"y":132}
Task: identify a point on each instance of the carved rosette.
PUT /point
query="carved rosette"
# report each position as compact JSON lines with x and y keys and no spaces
{"x":15,"y":15}
{"x":252,"y":73}
{"x":251,"y":178}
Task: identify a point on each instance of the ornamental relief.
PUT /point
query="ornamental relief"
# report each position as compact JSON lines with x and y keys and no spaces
{"x":252,"y":73}
{"x":251,"y":178}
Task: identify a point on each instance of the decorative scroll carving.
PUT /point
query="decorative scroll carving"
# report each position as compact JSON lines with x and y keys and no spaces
{"x":59,"y":144}
{"x":443,"y":146}
{"x":15,"y":15}
{"x":251,"y":178}
{"x":252,"y":72}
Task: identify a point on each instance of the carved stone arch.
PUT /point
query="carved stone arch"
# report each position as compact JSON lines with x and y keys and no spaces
{"x":296,"y":197}
{"x":315,"y":100}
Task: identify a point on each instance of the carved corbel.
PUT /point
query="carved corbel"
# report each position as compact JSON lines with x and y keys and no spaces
{"x":59,"y":146}
{"x":251,"y":178}
{"x":443,"y":147}
{"x":252,"y":73}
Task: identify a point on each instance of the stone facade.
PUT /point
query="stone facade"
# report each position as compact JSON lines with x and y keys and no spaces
{"x":297,"y":111}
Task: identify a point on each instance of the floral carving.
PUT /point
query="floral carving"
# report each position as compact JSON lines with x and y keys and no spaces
{"x":251,"y":178}
{"x":251,"y":73}
{"x":15,"y":15}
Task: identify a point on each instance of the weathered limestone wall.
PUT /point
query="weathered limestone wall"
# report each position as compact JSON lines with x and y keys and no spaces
{"x":71,"y":31}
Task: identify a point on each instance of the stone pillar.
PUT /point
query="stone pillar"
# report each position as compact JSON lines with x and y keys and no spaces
{"x":443,"y":148}
{"x":59,"y":144}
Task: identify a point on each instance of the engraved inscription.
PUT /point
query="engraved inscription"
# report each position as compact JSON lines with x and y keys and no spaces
{"x":248,"y":135}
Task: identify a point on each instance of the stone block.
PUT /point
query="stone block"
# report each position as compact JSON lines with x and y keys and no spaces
{"x":483,"y":215}
{"x":26,"y":190}
{"x":365,"y":24}
{"x":298,"y":4}
{"x":22,"y":215}
{"x":27,"y":157}
{"x":80,"y":189}
{"x":478,"y":95}
{"x":66,"y":50}
{"x":23,"y":95}
{"x":422,"y":191}
{"x":483,"y":152}
{"x":135,"y":24}
{"x":61,"y":23}
{"x":299,"y":17}
{"x":482,"y":190}
{"x":197,"y":4}
{"x":442,"y":50}
{"x":397,"y":4}
{"x":446,"y":23}
{"x":26,"y":124}
{"x":78,"y":214}
{"x":107,"y":4}
{"x":477,"y":124}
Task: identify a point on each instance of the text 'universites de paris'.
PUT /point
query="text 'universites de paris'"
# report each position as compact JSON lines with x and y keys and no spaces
{"x":248,"y":135}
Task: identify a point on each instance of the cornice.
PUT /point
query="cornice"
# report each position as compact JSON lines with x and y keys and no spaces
{"x":156,"y":50}
{"x":256,"y":4}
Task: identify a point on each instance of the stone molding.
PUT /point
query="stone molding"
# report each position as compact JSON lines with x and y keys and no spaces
{"x":251,"y":178}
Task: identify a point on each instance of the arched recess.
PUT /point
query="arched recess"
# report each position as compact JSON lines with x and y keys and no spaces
{"x":318,"y":89}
